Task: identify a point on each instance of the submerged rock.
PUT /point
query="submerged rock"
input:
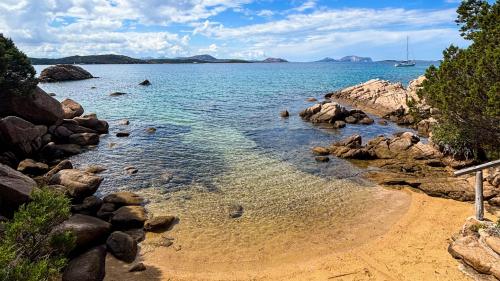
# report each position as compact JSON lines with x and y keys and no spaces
{"x":159,"y":223}
{"x":284,"y":114}
{"x":64,"y":72}
{"x":123,"y":134}
{"x":145,"y":83}
{"x":116,"y":94}
{"x":322,"y":158}
{"x":235,"y":211}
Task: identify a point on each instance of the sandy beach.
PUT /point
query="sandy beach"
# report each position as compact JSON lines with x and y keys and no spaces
{"x":413,"y":246}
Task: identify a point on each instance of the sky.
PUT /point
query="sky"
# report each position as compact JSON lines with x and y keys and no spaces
{"x":297,"y":30}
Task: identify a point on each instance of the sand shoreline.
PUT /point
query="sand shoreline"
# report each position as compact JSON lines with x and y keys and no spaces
{"x":413,"y":248}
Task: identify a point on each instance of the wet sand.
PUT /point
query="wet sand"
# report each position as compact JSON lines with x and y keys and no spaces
{"x":403,"y":235}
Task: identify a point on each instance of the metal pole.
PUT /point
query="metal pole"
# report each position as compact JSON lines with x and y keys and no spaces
{"x":479,"y":196}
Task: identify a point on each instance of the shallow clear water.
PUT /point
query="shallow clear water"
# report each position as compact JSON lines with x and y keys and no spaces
{"x":213,"y":117}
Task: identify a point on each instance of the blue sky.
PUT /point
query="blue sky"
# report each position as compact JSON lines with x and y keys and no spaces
{"x":298,"y":30}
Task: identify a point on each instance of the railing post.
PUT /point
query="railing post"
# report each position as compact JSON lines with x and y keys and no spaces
{"x":479,"y":196}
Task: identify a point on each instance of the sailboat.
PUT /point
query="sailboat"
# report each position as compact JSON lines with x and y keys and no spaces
{"x":407,"y":62}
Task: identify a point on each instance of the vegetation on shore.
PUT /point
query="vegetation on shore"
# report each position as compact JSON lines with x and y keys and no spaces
{"x":465,"y":88}
{"x":28,"y":249}
{"x":17,"y":75}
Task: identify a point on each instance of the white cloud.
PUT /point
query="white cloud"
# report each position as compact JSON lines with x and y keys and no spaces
{"x":212,"y":49}
{"x":56,"y":28}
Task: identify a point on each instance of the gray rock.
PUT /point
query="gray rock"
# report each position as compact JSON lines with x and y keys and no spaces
{"x":235,"y":210}
{"x":89,"y":266}
{"x":122,"y":246}
{"x":159,"y":223}
{"x":79,"y":184}
{"x":88,"y":231}
{"x":31,"y":167}
{"x":71,"y":109}
{"x":122,"y":134}
{"x":123,"y":198}
{"x":38,"y":108}
{"x":15,"y":189}
{"x":21,"y":136}
{"x":89,"y":206}
{"x":137,"y":267}
{"x":64,"y":72}
{"x":127,"y":217}
{"x":84,"y":139}
{"x":90,"y":121}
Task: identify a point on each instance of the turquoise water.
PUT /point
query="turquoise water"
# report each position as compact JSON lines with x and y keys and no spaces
{"x":212,"y":118}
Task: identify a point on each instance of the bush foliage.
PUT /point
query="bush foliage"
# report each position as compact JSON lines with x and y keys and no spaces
{"x":28,"y":250}
{"x":17,"y":75}
{"x":466,"y":86}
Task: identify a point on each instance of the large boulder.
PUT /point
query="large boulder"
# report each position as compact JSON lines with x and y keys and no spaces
{"x":31,"y":167}
{"x":15,"y":189}
{"x":329,"y":112}
{"x":63,"y":165}
{"x":123,"y":198}
{"x":38,"y":107}
{"x":71,"y":109}
{"x":21,"y":136}
{"x":128,"y":217}
{"x":79,"y":184}
{"x":88,"y":231}
{"x":89,"y":266}
{"x":64,"y":72}
{"x":57,"y":151}
{"x":91,"y":122}
{"x":122,"y":246}
{"x":84,"y":139}
{"x":473,"y":253}
{"x":89,"y":206}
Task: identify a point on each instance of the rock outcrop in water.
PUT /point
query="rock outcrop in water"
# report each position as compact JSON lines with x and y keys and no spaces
{"x":335,"y":114}
{"x":64,"y":72}
{"x":406,"y":161}
{"x":390,"y":101}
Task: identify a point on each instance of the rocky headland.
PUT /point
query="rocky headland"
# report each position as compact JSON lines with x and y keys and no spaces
{"x":390,"y":101}
{"x":37,"y":135}
{"x":405,"y":161}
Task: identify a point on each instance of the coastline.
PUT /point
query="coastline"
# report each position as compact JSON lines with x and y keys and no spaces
{"x":412,"y":248}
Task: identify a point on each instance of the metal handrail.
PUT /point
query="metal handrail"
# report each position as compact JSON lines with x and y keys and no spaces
{"x":479,"y":184}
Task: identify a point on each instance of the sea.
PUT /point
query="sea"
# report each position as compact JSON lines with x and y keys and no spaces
{"x":220,"y":142}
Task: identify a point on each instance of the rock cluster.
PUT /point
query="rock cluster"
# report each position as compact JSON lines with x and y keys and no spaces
{"x":335,"y":114}
{"x":64,"y":72}
{"x":37,"y":149}
{"x":390,"y":101}
{"x":51,"y":130}
{"x":478,"y":246}
{"x":406,"y":161}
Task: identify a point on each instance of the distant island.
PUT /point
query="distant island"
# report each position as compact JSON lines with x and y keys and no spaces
{"x":347,"y":59}
{"x":120,"y":59}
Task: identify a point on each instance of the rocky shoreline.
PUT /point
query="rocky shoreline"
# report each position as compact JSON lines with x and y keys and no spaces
{"x":403,"y":160}
{"x":37,"y":135}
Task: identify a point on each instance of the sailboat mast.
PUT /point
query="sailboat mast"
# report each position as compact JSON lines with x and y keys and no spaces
{"x":406,"y":48}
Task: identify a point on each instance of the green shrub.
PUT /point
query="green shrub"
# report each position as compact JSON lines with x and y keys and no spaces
{"x":465,"y":88}
{"x":28,"y":251}
{"x":17,"y":75}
